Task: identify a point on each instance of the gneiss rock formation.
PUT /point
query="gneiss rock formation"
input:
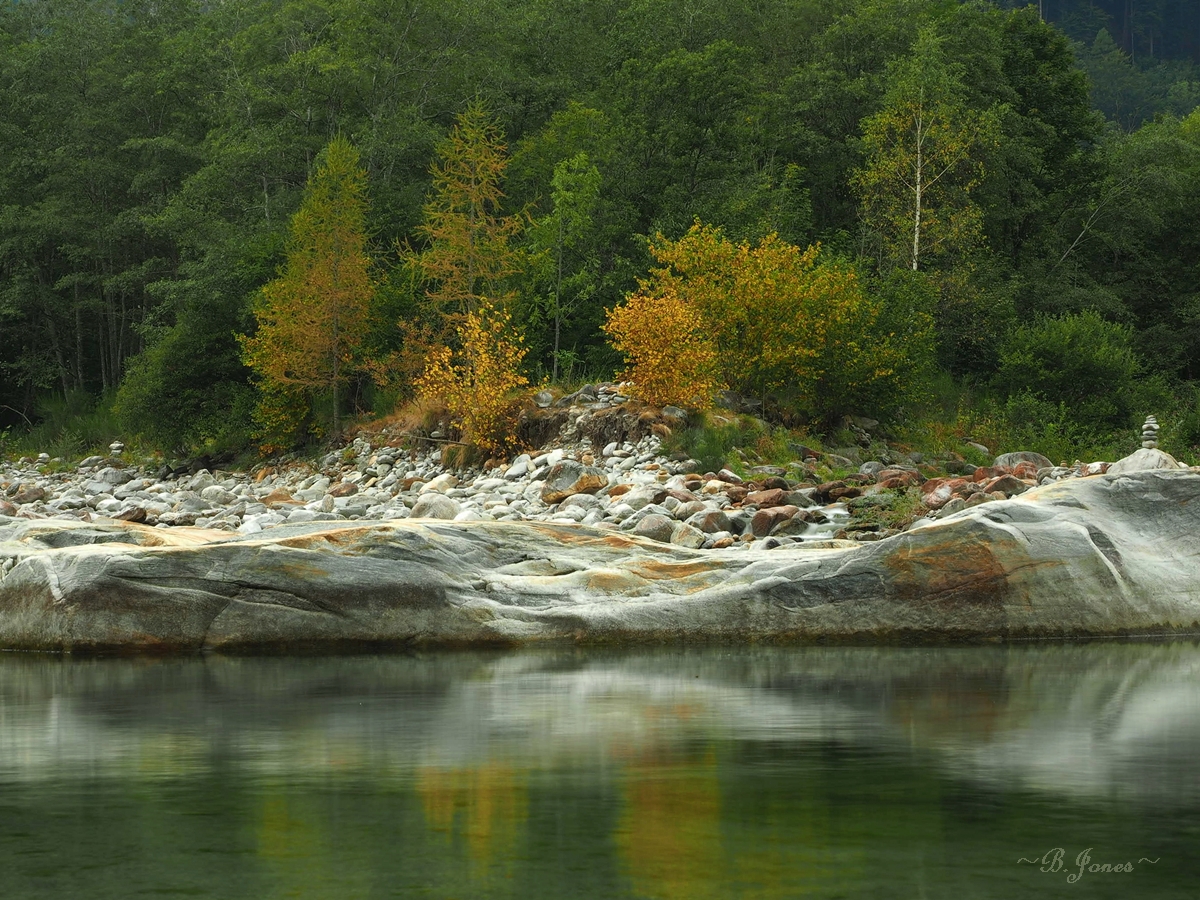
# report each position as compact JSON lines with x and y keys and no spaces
{"x":1103,"y":555}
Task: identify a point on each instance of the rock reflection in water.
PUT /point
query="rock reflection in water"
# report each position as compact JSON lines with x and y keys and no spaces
{"x":676,"y":773}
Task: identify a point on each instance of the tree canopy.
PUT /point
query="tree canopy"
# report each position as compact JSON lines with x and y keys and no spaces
{"x":1029,"y":162}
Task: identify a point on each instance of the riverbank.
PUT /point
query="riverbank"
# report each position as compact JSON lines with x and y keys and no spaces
{"x":1111,"y":554}
{"x":602,"y":463}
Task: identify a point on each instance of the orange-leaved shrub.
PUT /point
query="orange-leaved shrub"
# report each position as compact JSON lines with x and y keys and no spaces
{"x":783,"y":322}
{"x":671,"y":355}
{"x":476,"y":382}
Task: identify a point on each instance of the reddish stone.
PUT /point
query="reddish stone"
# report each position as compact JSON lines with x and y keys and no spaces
{"x":343,"y":489}
{"x":28,"y":493}
{"x":987,"y":473}
{"x":904,"y":477}
{"x":1008,"y":485}
{"x":680,"y":495}
{"x":729,"y":477}
{"x":767,"y":520}
{"x":849,"y":492}
{"x":822,"y":492}
{"x":936,"y":492}
{"x":137,"y":514}
{"x":736,"y":493}
{"x":1028,"y":471}
{"x":7,"y":509}
{"x":618,"y":489}
{"x":764,"y":499}
{"x":278,"y":498}
{"x":773,"y":482}
{"x":712,"y":522}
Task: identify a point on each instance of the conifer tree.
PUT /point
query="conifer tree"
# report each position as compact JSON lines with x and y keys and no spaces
{"x":470,"y":251}
{"x":473,"y":353}
{"x":311,"y":317}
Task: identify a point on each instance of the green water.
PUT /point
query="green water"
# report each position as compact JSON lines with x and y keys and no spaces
{"x":758,"y":773}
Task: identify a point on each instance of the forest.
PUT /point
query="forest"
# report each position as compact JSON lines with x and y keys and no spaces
{"x":902,"y":209}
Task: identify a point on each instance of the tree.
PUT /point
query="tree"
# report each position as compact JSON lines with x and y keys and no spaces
{"x":923,"y":159}
{"x":786,"y":324}
{"x":473,"y":353}
{"x":470,"y":249}
{"x":559,"y":239}
{"x":311,"y":317}
{"x":671,"y":354}
{"x":477,"y":381}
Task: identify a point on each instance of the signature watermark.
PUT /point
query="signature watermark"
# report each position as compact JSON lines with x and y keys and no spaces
{"x":1054,"y":860}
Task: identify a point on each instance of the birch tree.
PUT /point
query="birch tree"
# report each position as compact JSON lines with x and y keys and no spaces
{"x":924,"y":157}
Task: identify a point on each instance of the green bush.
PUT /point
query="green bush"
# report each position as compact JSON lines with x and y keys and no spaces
{"x":1086,"y":364}
{"x":181,"y":405}
{"x":69,"y":427}
{"x":711,"y":441}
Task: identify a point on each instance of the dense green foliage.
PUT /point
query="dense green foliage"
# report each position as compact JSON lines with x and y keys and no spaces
{"x":156,"y":153}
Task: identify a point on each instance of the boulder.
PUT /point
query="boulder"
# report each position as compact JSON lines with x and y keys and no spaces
{"x":28,"y":493}
{"x":709,"y":521}
{"x":568,"y":477}
{"x":1007,"y":485}
{"x":278,"y":498}
{"x":435,"y":506}
{"x":655,"y":526}
{"x":440,"y":484}
{"x":1144,"y":460}
{"x":685,"y":535}
{"x":899,"y":477}
{"x":645,"y":495}
{"x":765,"y":521}
{"x":936,"y":492}
{"x":1010,"y":460}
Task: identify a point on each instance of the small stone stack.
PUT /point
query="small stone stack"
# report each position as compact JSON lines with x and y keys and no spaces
{"x":1150,"y":433}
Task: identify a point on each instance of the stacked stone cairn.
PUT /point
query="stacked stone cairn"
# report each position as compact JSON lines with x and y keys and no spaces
{"x":1150,"y":433}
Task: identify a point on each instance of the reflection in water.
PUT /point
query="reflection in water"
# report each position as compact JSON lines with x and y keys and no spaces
{"x":670,"y":830}
{"x":669,"y":774}
{"x":487,"y":805}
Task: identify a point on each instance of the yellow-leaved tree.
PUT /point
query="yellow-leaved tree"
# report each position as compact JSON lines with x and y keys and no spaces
{"x":311,"y":318}
{"x":476,"y":381}
{"x":781,"y":323}
{"x":472,"y":350}
{"x":671,"y":355}
{"x":470,"y":251}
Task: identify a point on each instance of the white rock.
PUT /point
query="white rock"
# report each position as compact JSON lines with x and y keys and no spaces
{"x":519,"y":468}
{"x":1144,"y":460}
{"x":441,"y":484}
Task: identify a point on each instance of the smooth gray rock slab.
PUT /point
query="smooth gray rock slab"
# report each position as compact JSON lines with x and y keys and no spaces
{"x":1104,"y":555}
{"x":1143,"y":460}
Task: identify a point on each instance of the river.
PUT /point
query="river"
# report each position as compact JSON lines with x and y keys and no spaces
{"x":698,"y":773}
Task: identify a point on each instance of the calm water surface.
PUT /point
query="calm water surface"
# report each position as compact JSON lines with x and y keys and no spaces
{"x":757,"y":773}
